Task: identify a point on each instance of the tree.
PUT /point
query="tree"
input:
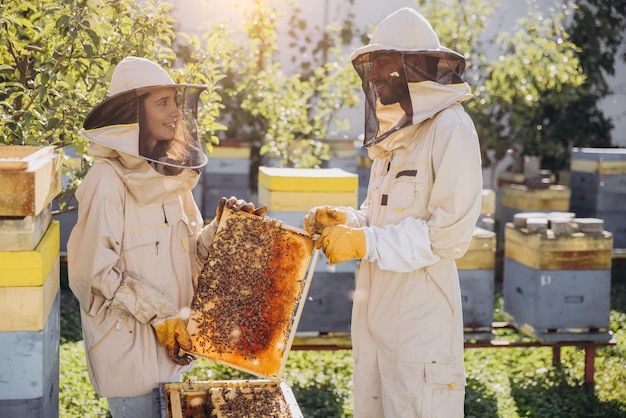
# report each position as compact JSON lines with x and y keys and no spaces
{"x":54,"y":56}
{"x":518,"y":95}
{"x":287,"y":115}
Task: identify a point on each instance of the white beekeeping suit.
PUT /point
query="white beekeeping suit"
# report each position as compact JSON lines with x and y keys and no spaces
{"x":422,"y":205}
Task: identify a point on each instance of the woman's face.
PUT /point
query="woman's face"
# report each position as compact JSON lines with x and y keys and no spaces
{"x":161,"y":114}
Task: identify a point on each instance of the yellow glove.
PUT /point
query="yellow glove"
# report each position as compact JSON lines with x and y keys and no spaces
{"x":321,"y":217}
{"x":172,"y":334}
{"x":342,"y":243}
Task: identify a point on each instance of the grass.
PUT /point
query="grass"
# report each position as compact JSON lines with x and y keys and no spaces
{"x":508,"y":383}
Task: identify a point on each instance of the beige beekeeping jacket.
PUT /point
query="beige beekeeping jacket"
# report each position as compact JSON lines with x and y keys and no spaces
{"x":419,"y":215}
{"x":131,"y":220}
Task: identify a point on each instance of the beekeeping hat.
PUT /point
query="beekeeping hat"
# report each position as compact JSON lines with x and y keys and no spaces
{"x":407,"y":33}
{"x":117,"y":122}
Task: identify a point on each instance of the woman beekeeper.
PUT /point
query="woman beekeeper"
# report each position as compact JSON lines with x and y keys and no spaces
{"x":423,"y":202}
{"x":139,"y":244}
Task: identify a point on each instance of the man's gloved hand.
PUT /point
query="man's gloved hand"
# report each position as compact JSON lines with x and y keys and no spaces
{"x":237,"y":205}
{"x":342,"y":243}
{"x":173,"y":336}
{"x":321,"y":217}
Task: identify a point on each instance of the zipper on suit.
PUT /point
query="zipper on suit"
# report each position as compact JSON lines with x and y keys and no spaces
{"x":429,"y":279}
{"x":115,"y":328}
{"x":156,"y":247}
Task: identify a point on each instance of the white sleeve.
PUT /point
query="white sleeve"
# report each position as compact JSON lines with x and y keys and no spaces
{"x":403,"y":247}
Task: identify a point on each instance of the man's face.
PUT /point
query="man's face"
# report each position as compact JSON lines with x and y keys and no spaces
{"x":387,"y":76}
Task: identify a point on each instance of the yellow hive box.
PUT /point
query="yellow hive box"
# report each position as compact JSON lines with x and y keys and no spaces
{"x":300,"y":189}
{"x":30,"y":177}
{"x":488,"y":202}
{"x":307,"y":180}
{"x":342,"y":149}
{"x":554,"y":198}
{"x":30,"y":268}
{"x":600,"y":167}
{"x":230,"y":152}
{"x":576,"y":252}
{"x":302,"y":201}
{"x":27,"y":308}
{"x":481,"y":254}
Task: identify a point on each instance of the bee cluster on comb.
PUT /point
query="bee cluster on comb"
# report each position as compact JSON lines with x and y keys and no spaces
{"x":245,"y":398}
{"x":244,"y":308}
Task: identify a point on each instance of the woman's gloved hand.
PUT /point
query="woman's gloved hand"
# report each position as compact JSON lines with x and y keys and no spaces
{"x":321,"y":217}
{"x":237,"y":205}
{"x":173,"y":336}
{"x":341,"y":243}
{"x":149,"y":305}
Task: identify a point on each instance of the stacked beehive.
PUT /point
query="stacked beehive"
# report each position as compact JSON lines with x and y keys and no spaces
{"x":342,"y":154}
{"x":557,"y":277}
{"x":598,"y":183}
{"x":521,"y":198}
{"x":289,"y":193}
{"x":476,"y":274}
{"x":486,"y":218}
{"x":225,"y":174}
{"x":30,"y":178}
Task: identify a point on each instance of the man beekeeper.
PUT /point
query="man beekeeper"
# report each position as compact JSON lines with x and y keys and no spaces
{"x":423,"y":201}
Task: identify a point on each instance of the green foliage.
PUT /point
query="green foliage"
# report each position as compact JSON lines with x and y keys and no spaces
{"x":289,"y":115}
{"x":55,"y":55}
{"x":511,"y":382}
{"x":540,"y":95}
{"x":77,"y":397}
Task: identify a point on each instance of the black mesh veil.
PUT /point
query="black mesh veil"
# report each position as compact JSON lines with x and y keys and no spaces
{"x":439,"y":66}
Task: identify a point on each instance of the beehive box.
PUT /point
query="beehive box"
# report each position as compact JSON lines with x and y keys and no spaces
{"x":29,"y":364}
{"x":30,"y":177}
{"x":486,"y":219}
{"x":598,"y":192}
{"x":225,"y":174}
{"x":30,"y":268}
{"x":599,"y":160}
{"x":26,"y":308}
{"x":517,"y":198}
{"x":557,"y":279}
{"x":598,"y":182}
{"x":234,"y":398}
{"x":329,"y":304}
{"x":477,"y":279}
{"x":228,"y":160}
{"x":19,"y":233}
{"x":300,"y":189}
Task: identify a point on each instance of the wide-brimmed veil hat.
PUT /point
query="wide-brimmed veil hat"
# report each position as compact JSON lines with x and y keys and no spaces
{"x":117,"y":121}
{"x":407,"y":33}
